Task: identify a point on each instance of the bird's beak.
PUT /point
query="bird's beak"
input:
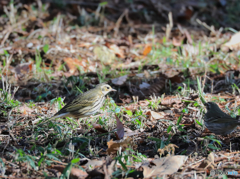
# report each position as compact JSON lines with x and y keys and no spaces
{"x":113,"y":89}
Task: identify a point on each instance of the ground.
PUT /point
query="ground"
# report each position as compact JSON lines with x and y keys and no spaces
{"x":163,"y":70}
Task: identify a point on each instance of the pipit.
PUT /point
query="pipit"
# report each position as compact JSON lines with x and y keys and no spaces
{"x":86,"y":104}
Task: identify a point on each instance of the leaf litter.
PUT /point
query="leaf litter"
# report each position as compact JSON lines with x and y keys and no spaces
{"x":159,"y":116}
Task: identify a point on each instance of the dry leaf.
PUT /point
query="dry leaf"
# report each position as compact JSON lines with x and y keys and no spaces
{"x":155,"y":115}
{"x":170,"y":148}
{"x":23,"y":71}
{"x":234,"y":42}
{"x":24,"y":110}
{"x":75,"y":172}
{"x":120,"y":80}
{"x":189,"y":50}
{"x":147,"y":50}
{"x":144,"y":85}
{"x":73,"y":64}
{"x":208,"y":162}
{"x":169,"y":100}
{"x":94,"y":163}
{"x":125,"y":98}
{"x":99,"y":128}
{"x":143,"y":103}
{"x":120,"y":129}
{"x":113,"y":146}
{"x":132,"y":107}
{"x":116,"y":50}
{"x":162,"y":166}
{"x":104,"y":54}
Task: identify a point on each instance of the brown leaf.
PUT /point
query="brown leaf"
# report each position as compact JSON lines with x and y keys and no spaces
{"x":162,"y":166}
{"x":132,"y":107}
{"x":169,"y":100}
{"x":24,"y":110}
{"x":113,"y":146}
{"x":208,"y":162}
{"x":75,"y":173}
{"x":23,"y":71}
{"x":99,"y":128}
{"x":234,"y":42}
{"x":177,"y":41}
{"x":143,"y":103}
{"x":73,"y":64}
{"x":129,"y":132}
{"x":147,"y":50}
{"x":177,"y":78}
{"x":120,"y":129}
{"x":116,"y":50}
{"x":155,"y":115}
{"x":125,"y":98}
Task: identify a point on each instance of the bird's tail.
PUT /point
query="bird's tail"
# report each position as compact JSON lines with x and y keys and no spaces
{"x":54,"y":117}
{"x":238,"y":119}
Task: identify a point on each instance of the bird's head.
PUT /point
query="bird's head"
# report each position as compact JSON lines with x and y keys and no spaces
{"x":212,"y":106}
{"x":105,"y":88}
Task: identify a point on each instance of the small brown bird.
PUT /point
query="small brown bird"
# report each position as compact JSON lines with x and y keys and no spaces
{"x":86,"y":104}
{"x":217,"y":121}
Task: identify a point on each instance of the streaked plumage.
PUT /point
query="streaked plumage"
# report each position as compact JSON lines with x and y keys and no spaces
{"x":86,"y":104}
{"x":217,"y":121}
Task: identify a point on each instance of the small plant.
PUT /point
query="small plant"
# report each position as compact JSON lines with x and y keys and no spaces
{"x":6,"y":98}
{"x":77,"y":84}
{"x":160,"y":144}
{"x":154,"y":102}
{"x":21,"y":156}
{"x":214,"y":143}
{"x":177,"y":126}
{"x":128,"y":157}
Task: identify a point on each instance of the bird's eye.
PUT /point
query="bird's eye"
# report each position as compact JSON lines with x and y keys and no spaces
{"x":108,"y":88}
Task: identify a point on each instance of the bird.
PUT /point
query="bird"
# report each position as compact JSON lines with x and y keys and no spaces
{"x":217,"y":121}
{"x":86,"y":104}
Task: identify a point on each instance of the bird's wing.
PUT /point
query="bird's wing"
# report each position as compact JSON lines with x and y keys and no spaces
{"x":223,"y":119}
{"x":82,"y":101}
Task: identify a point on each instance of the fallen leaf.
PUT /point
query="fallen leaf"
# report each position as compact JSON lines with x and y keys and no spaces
{"x":24,"y":110}
{"x":94,"y":163}
{"x":170,"y":148}
{"x":127,"y":66}
{"x":23,"y":72}
{"x":120,"y":80}
{"x":147,"y":50}
{"x":208,"y":162}
{"x":129,"y":132}
{"x":126,"y":99}
{"x":104,"y":54}
{"x":163,"y":166}
{"x":120,"y":129}
{"x":74,"y":64}
{"x":177,"y":78}
{"x":177,"y":41}
{"x":189,"y":50}
{"x":132,"y":107}
{"x":155,"y":115}
{"x":113,"y":146}
{"x":144,"y":85}
{"x":169,"y":100}
{"x":143,"y":103}
{"x":116,"y":50}
{"x":234,"y":42}
{"x":75,"y":172}
{"x":99,"y":128}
